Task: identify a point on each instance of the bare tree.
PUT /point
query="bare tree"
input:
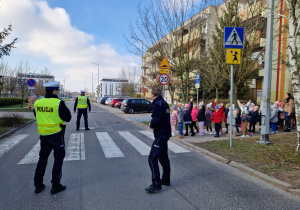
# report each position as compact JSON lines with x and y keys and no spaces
{"x":293,"y":36}
{"x":46,"y":72}
{"x":171,"y":29}
{"x":23,"y":68}
{"x":39,"y":90}
{"x":215,"y":68}
{"x":129,"y":73}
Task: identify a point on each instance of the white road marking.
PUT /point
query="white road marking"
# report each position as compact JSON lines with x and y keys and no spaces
{"x":172,"y":146}
{"x":33,"y":155}
{"x":10,"y":143}
{"x":75,"y":150}
{"x":140,"y":146}
{"x":109,"y":147}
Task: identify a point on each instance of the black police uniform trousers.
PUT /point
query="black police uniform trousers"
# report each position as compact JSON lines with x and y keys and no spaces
{"x":159,"y":152}
{"x":85,"y":116}
{"x":55,"y":142}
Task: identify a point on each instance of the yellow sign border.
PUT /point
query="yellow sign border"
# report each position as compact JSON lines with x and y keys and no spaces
{"x":164,"y":64}
{"x":233,"y":59}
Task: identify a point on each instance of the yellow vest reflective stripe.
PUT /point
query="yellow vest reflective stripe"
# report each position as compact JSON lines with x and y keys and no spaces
{"x":82,"y":102}
{"x":47,"y":116}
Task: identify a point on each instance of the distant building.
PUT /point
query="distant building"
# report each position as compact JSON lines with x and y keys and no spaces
{"x":40,"y":79}
{"x":111,"y":87}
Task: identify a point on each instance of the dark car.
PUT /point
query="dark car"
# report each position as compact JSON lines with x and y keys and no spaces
{"x":115,"y":100}
{"x":103,"y":99}
{"x":132,"y":105}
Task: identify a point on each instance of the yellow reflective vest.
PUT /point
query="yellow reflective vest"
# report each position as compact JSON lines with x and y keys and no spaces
{"x":47,"y":117}
{"x":82,"y":102}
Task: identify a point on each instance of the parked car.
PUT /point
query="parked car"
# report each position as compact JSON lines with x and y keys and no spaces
{"x":132,"y":105}
{"x":118,"y":104}
{"x":74,"y":98}
{"x":102,"y":100}
{"x":115,"y":100}
{"x":108,"y":100}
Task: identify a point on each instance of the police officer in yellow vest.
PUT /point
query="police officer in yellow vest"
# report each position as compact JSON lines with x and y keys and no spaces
{"x":81,"y":103}
{"x":50,"y":114}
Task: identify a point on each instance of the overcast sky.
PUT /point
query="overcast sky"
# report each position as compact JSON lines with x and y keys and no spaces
{"x":67,"y":35}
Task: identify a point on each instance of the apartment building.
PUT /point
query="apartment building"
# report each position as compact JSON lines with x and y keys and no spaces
{"x":13,"y":86}
{"x":111,"y":87}
{"x":201,"y":27}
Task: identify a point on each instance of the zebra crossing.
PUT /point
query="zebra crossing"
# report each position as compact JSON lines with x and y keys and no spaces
{"x":75,"y":149}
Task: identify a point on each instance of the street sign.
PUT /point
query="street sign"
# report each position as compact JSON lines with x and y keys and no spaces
{"x":233,"y":56}
{"x":234,"y":37}
{"x":31,"y":88}
{"x":164,"y":79}
{"x":197,"y":81}
{"x":31,"y":82}
{"x":164,"y":64}
{"x":164,"y":71}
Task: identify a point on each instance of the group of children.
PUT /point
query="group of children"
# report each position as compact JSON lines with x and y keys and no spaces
{"x":245,"y":116}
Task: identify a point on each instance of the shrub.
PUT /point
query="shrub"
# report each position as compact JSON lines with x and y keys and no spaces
{"x":6,"y":101}
{"x":11,"y":120}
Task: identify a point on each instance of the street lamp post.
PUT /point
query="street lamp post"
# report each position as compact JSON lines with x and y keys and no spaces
{"x":98,"y":79}
{"x":92,"y":82}
{"x":64,"y":85}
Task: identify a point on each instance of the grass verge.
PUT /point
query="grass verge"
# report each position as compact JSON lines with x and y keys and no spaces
{"x":4,"y":129}
{"x":15,"y":108}
{"x":277,"y":160}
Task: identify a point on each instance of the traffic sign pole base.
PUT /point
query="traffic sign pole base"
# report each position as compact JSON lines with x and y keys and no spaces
{"x":264,"y":139}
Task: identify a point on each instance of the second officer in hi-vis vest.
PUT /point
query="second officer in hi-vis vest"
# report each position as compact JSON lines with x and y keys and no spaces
{"x":82,"y":103}
{"x":51,"y":113}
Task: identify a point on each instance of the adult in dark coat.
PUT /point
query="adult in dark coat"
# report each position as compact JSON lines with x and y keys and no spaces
{"x":187,"y":118}
{"x":160,"y":123}
{"x":254,"y":117}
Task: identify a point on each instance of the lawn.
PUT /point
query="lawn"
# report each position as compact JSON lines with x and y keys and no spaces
{"x":6,"y":129}
{"x":16,"y":107}
{"x":277,"y":160}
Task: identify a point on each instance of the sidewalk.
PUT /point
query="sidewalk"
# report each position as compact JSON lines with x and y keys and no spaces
{"x":29,"y":115}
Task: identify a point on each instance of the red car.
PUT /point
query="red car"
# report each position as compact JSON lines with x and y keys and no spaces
{"x":118,"y":104}
{"x":115,"y":100}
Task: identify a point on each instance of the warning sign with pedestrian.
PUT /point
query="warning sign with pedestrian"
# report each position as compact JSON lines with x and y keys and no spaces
{"x":233,"y":56}
{"x":234,"y":37}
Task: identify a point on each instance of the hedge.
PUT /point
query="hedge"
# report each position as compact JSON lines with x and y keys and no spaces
{"x":6,"y":101}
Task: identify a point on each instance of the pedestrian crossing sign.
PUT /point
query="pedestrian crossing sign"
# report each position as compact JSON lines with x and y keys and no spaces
{"x":233,"y":56}
{"x":234,"y":37}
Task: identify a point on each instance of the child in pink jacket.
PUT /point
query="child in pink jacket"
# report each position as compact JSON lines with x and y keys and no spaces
{"x":194,"y":115}
{"x":174,"y":119}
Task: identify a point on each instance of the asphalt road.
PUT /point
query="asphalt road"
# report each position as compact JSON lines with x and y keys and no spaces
{"x":107,"y":168}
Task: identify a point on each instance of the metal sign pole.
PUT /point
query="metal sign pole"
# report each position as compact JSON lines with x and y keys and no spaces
{"x":231,"y":102}
{"x":197,"y":96}
{"x":163,"y":91}
{"x":265,"y":104}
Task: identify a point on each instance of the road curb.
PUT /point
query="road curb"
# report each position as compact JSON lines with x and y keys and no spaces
{"x":271,"y":180}
{"x":15,"y":129}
